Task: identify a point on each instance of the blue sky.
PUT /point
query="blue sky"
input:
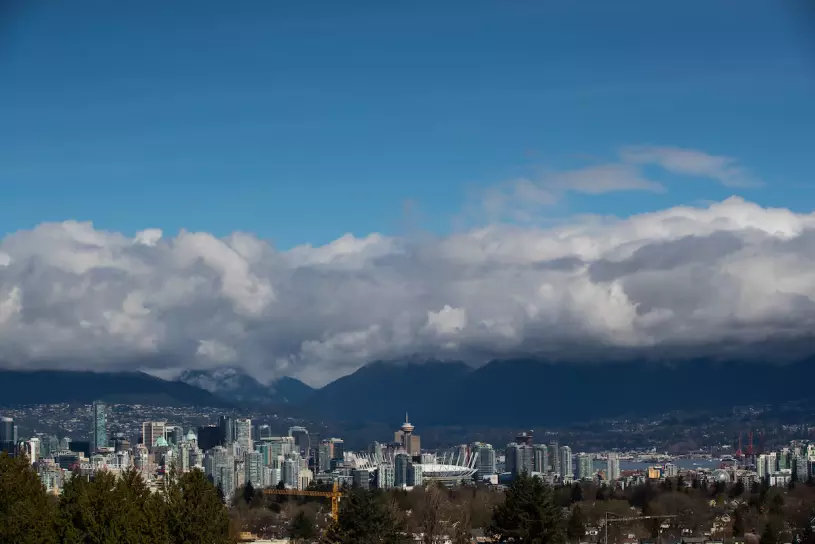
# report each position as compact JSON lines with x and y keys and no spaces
{"x":300,"y":121}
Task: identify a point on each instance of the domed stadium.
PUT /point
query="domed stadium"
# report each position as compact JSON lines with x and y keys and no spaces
{"x":449,"y":468}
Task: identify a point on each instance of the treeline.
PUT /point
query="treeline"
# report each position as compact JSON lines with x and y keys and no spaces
{"x":190,"y":510}
{"x":774,"y":514}
{"x":109,"y":510}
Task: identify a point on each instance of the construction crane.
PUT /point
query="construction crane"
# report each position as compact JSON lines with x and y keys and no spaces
{"x":334,"y":495}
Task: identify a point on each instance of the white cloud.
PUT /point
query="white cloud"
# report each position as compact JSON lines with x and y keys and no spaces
{"x":725,"y":170}
{"x":606,"y":178}
{"x":688,"y":278}
{"x":148,"y":237}
{"x":521,"y":200}
{"x":447,"y":321}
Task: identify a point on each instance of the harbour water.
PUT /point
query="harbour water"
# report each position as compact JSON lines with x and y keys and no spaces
{"x":683,"y":463}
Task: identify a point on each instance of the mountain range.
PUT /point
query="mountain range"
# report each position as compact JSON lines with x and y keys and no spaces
{"x":59,"y":386}
{"x":234,"y":385}
{"x":530,"y":392}
{"x":518,"y":392}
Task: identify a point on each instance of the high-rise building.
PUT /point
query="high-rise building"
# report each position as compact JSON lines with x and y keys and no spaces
{"x":99,"y":428}
{"x":322,"y":456}
{"x":219,"y":464}
{"x":290,"y":473}
{"x":7,"y":439}
{"x":30,"y":448}
{"x":151,"y":431}
{"x":227,"y":427}
{"x":385,"y":476}
{"x":337,"y":449}
{"x":415,"y":474}
{"x":280,"y":445}
{"x":772,"y":463}
{"x":800,"y":467}
{"x":401,"y":462}
{"x":243,"y":434}
{"x":554,"y":457}
{"x":519,"y":458}
{"x":761,"y":467}
{"x":361,"y":478}
{"x":301,"y":440}
{"x":265,"y":453}
{"x":613,"y":467}
{"x":253,"y":467}
{"x":264,"y":431}
{"x":175,"y":435}
{"x":485,"y":461}
{"x":209,"y":436}
{"x":585,"y":468}
{"x":540,"y":459}
{"x":304,"y":479}
{"x":566,"y":468}
{"x":784,"y":459}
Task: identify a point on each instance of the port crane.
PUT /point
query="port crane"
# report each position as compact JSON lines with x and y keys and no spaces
{"x":335,"y":494}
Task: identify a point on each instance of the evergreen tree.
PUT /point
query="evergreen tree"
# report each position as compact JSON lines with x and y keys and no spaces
{"x":89,"y":512}
{"x":739,"y":521}
{"x":248,"y":493}
{"x":26,"y":511}
{"x":143,"y":512}
{"x":737,"y":490}
{"x":302,"y":528}
{"x":576,"y":525}
{"x":527,"y":515}
{"x":366,"y":519}
{"x":195,"y":512}
{"x":577,"y":492}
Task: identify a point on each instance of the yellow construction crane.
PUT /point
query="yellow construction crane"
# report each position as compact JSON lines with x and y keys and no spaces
{"x":334,"y":495}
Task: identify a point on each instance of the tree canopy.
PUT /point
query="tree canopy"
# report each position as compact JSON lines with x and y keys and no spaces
{"x":107,"y":509}
{"x":26,"y":511}
{"x":528,"y":515}
{"x":365,"y":518}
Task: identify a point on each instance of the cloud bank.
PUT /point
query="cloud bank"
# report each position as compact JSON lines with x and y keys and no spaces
{"x":683,"y":280}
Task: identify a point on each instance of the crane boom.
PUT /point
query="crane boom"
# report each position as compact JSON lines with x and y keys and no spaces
{"x":334,"y":495}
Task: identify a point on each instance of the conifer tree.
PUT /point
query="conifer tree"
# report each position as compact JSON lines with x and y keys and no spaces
{"x":366,"y":519}
{"x":26,"y":511}
{"x":576,"y":525}
{"x":195,"y":512}
{"x":302,"y":528}
{"x":528,"y":514}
